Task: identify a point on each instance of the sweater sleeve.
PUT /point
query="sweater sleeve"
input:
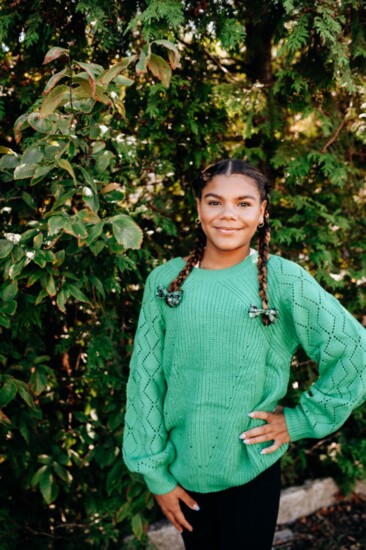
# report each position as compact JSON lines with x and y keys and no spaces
{"x":146,"y":448}
{"x":333,"y":338}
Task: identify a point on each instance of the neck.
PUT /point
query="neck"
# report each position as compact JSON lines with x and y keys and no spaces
{"x":221,"y":259}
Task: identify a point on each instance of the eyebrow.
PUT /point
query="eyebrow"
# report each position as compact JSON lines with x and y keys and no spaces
{"x":237,"y":198}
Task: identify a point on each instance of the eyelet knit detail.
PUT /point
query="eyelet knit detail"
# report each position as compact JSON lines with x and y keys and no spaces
{"x":197,"y":370}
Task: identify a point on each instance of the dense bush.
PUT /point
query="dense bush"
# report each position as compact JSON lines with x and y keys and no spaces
{"x":95,"y":192}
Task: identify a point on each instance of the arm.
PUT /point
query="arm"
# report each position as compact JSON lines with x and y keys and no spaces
{"x":146,"y":448}
{"x":333,"y":338}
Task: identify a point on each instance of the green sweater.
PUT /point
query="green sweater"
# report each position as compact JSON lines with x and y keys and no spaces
{"x":199,"y":368}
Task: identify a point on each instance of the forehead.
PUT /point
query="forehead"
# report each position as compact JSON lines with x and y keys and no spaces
{"x":231,"y":186}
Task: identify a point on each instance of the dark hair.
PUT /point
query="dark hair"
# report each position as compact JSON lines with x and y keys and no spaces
{"x":229,"y":167}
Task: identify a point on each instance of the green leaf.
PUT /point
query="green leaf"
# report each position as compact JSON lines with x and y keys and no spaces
{"x":54,"y":79}
{"x":63,"y":163}
{"x":39,"y":258}
{"x":40,"y":297}
{"x":107,"y":76}
{"x":103,"y":161}
{"x":56,"y":224}
{"x":90,"y":198}
{"x":24,"y":393}
{"x":37,"y":476}
{"x":29,"y":200}
{"x":34,"y":277}
{"x":44,"y":125}
{"x":40,"y":173}
{"x":62,"y":473}
{"x":50,"y":286}
{"x":137,"y":525}
{"x":126,"y":231}
{"x":38,"y":380}
{"x":141,"y":65}
{"x":160,"y":68}
{"x":4,"y":320}
{"x":95,"y":232}
{"x":5,"y":248}
{"x":48,"y":486}
{"x":24,"y":171}
{"x":7,"y":393}
{"x":76,"y":292}
{"x":61,"y":301}
{"x":9,"y":308}
{"x":76,"y":228}
{"x":55,"y":53}
{"x":89,"y":179}
{"x":59,"y":95}
{"x":9,"y":292}
{"x":32,"y":155}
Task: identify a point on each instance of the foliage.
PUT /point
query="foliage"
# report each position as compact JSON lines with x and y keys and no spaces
{"x":281,"y":84}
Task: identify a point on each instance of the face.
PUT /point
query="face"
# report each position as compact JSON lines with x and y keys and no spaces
{"x":230,"y":210}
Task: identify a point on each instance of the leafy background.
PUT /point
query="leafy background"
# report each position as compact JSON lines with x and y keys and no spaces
{"x":95,"y":191}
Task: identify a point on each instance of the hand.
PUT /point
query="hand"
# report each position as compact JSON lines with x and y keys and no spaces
{"x":275,"y":429}
{"x":169,"y":503}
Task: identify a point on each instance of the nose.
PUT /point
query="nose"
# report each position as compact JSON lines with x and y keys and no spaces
{"x":228,"y":213}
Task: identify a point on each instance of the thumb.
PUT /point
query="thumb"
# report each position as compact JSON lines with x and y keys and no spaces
{"x":191,"y":503}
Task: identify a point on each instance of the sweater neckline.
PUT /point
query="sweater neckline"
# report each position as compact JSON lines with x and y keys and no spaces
{"x":222,"y":274}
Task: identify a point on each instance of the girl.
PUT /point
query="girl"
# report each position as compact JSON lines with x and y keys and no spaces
{"x":212,"y":353}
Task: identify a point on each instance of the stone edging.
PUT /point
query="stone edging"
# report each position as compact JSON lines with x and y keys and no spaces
{"x":295,"y":502}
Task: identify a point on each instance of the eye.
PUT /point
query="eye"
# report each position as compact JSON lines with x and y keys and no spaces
{"x":245,"y":204}
{"x":213,"y":202}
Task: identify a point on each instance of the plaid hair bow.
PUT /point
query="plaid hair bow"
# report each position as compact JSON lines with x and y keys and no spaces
{"x":173,"y":298}
{"x":255,"y":311}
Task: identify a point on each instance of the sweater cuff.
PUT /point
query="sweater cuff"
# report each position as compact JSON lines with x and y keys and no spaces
{"x":298,"y":425}
{"x":160,"y":483}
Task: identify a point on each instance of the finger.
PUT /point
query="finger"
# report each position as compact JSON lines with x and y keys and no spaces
{"x":188,"y":500}
{"x":271,"y":449}
{"x":172,"y":520}
{"x":254,"y":432}
{"x":262,"y":439}
{"x":182,"y":521}
{"x":262,"y":415}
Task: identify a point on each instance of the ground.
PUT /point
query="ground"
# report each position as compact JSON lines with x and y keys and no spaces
{"x":340,"y":527}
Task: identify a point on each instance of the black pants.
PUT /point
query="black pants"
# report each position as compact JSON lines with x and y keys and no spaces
{"x":238,"y":518}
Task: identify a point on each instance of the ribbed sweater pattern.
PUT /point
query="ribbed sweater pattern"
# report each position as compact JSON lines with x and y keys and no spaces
{"x":199,"y":368}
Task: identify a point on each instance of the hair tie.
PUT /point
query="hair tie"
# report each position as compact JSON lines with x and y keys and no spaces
{"x":172,"y":298}
{"x":255,"y":311}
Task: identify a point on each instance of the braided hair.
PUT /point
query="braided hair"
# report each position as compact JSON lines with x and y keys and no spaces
{"x":229,"y":167}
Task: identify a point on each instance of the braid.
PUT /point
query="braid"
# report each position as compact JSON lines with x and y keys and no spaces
{"x":195,"y":256}
{"x":263,"y":253}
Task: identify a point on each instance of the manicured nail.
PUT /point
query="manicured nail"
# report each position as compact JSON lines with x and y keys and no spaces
{"x":196,"y":507}
{"x":251,"y":415}
{"x":242,"y":436}
{"x":246,"y":441}
{"x":263,"y":451}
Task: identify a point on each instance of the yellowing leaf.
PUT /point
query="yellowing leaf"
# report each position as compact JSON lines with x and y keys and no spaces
{"x":58,"y":95}
{"x":160,"y":68}
{"x":54,"y":53}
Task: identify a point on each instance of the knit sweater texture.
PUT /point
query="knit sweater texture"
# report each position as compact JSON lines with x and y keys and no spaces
{"x":199,"y":368}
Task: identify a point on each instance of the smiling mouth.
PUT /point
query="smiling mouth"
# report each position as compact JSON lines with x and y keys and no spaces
{"x":227,"y":230}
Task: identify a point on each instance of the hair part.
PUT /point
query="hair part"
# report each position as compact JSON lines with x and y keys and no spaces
{"x":229,"y":167}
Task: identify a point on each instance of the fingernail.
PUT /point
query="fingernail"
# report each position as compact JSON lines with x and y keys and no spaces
{"x":263,"y":451}
{"x":242,"y":436}
{"x":196,"y":507}
{"x":251,"y":415}
{"x":246,"y":441}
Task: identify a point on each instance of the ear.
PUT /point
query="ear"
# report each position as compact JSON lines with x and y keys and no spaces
{"x":262,"y":210}
{"x":198,"y":206}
